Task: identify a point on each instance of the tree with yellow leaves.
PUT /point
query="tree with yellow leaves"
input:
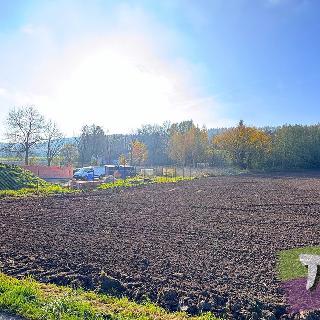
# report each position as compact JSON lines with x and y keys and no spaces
{"x":188,"y":144}
{"x":139,"y":152}
{"x":178,"y":147}
{"x":245,"y":146}
{"x":123,"y":160}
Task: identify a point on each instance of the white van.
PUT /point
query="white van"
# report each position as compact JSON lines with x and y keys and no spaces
{"x":89,"y":173}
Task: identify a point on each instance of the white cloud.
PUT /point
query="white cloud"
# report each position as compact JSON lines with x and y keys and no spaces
{"x":28,"y":29}
{"x":118,"y":74}
{"x":3,"y":91}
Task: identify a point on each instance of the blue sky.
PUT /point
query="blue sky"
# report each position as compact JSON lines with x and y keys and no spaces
{"x":121,"y":64}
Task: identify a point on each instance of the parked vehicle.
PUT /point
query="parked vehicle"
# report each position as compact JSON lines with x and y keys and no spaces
{"x":89,"y":173}
{"x":75,"y":170}
{"x":119,"y":171}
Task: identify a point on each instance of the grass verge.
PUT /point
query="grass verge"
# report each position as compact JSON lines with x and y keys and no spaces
{"x":34,"y":300}
{"x":49,"y":189}
{"x":289,"y":266}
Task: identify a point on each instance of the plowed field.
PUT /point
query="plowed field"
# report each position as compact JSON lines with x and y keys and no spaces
{"x":207,"y":244}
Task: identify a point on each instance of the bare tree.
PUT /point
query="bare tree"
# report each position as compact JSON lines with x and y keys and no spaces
{"x":54,"y":141}
{"x":92,"y":144}
{"x":69,"y":154}
{"x":24,"y":130}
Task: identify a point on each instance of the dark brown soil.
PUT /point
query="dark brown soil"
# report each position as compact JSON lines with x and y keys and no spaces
{"x":208,"y":244}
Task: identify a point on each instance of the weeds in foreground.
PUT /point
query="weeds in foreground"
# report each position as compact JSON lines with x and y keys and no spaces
{"x":51,"y":189}
{"x":138,"y":181}
{"x":41,"y":190}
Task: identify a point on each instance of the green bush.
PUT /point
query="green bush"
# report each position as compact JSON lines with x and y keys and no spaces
{"x":13,"y":177}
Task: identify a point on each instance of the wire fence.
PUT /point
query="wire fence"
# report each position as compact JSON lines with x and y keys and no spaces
{"x":180,"y":171}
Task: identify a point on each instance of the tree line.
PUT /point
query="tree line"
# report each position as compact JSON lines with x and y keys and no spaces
{"x":184,"y":144}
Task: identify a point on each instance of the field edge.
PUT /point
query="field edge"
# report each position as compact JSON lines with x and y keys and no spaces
{"x":34,"y":300}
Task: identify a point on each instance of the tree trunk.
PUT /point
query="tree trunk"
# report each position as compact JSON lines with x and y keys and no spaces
{"x":48,"y":153}
{"x":26,"y":158}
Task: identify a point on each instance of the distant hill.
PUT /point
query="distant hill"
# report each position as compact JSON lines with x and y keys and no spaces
{"x":39,"y":151}
{"x":41,"y":148}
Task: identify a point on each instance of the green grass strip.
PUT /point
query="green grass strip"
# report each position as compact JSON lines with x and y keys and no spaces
{"x":50,"y":189}
{"x":138,"y":181}
{"x":289,"y":266}
{"x":34,"y":300}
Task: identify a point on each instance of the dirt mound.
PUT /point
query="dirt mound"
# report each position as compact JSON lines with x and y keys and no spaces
{"x":209,"y":244}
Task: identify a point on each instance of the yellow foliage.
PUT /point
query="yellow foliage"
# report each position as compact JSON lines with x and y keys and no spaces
{"x":123,"y":160}
{"x":189,"y":146}
{"x":243,"y":144}
{"x":139,"y":152}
